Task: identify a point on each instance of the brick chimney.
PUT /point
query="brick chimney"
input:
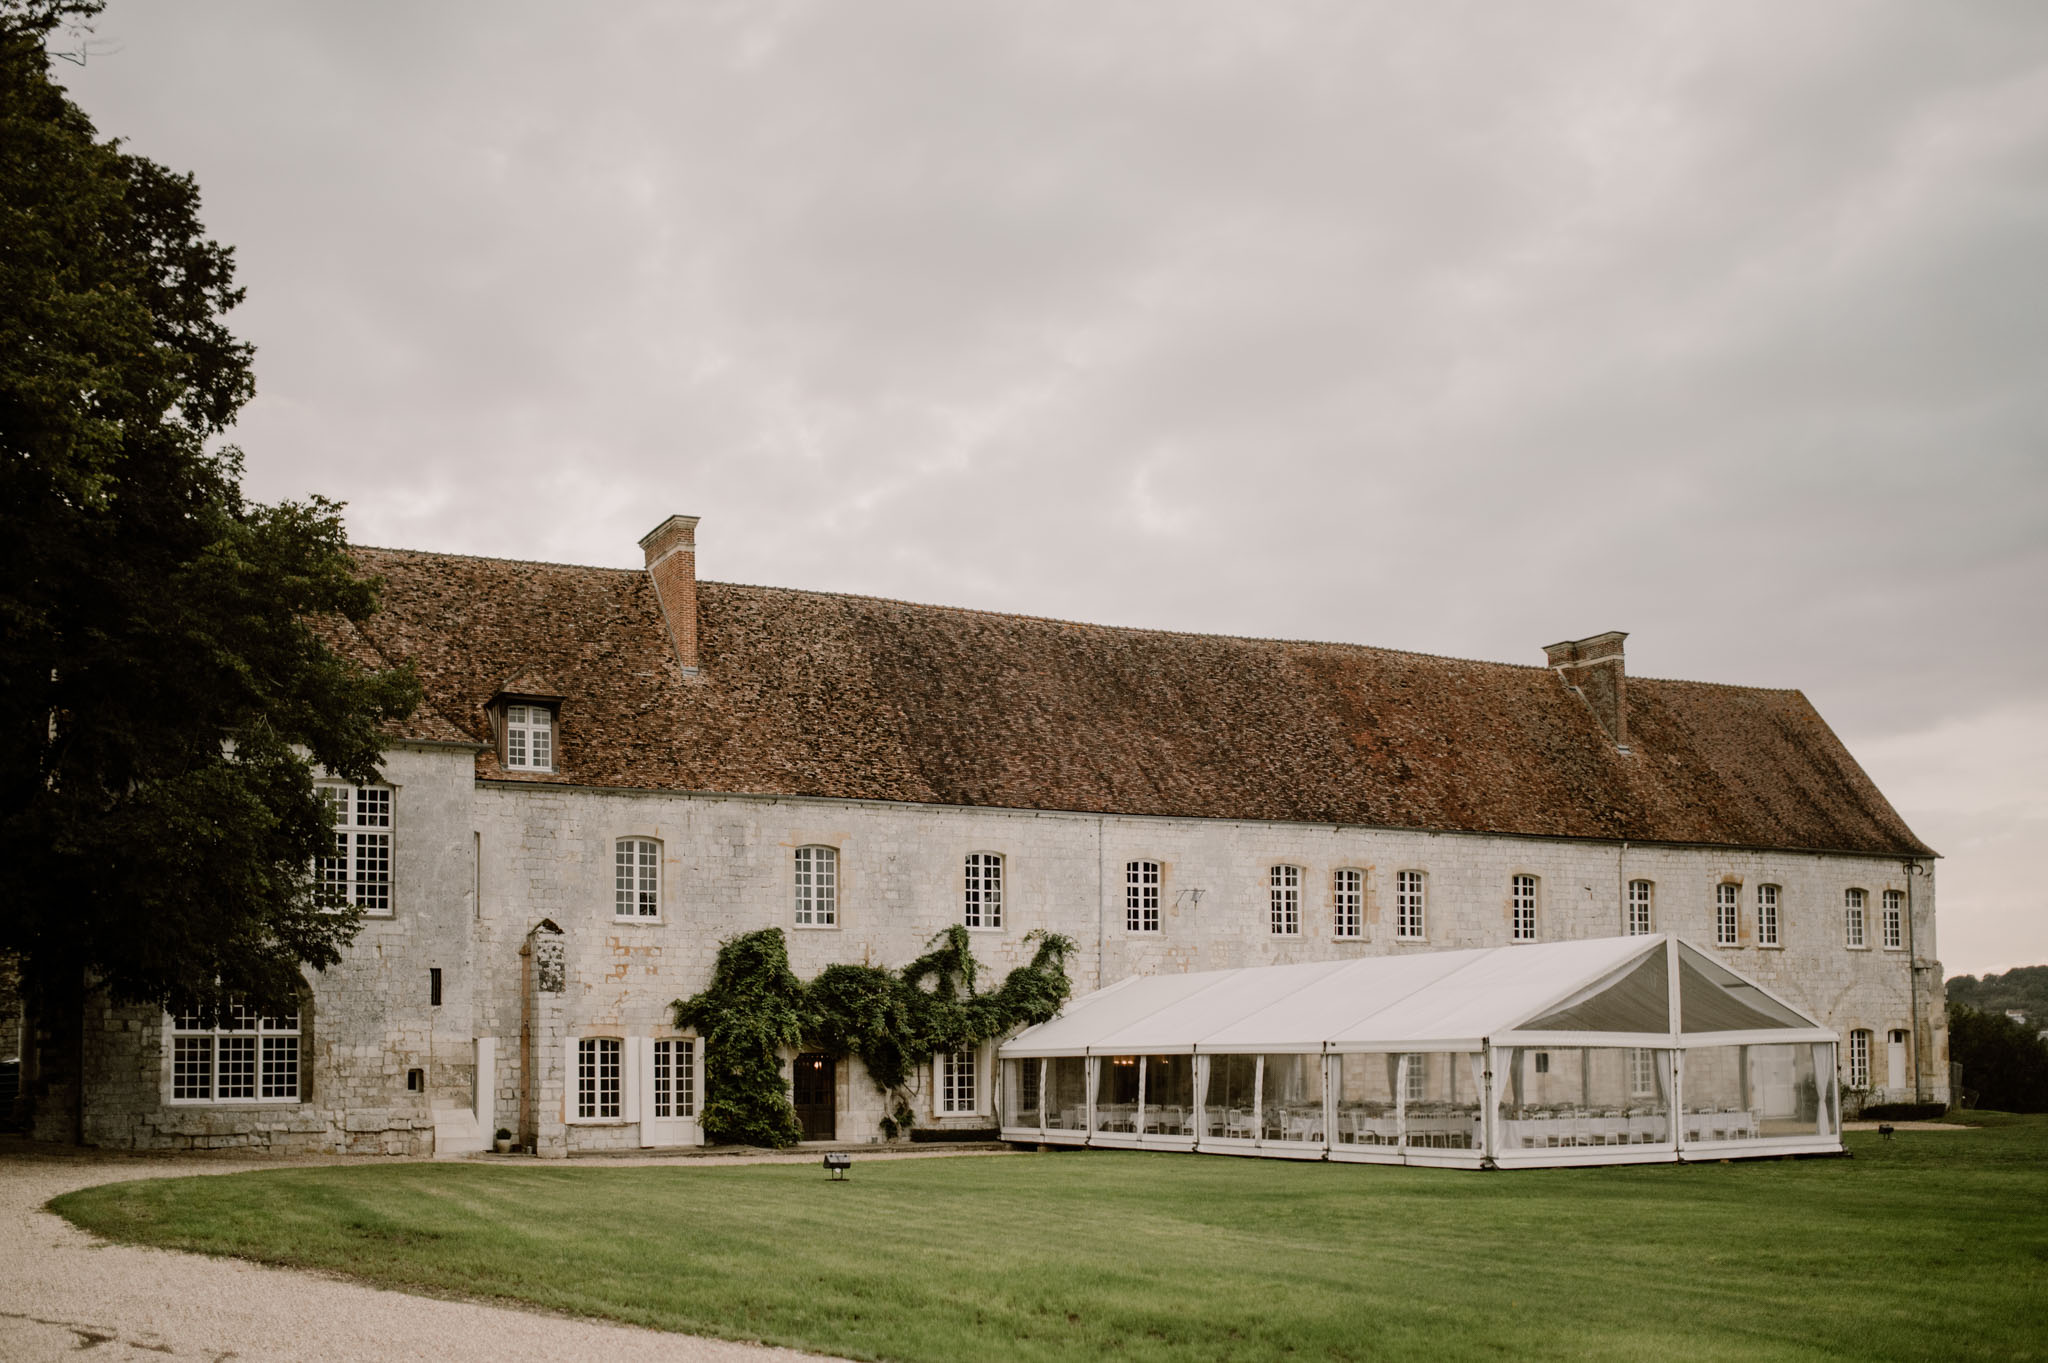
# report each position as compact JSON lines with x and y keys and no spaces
{"x":1593,"y":668}
{"x":671,"y":549}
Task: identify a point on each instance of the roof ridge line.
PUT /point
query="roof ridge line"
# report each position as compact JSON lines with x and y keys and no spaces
{"x":1119,"y":629}
{"x":1062,"y":620}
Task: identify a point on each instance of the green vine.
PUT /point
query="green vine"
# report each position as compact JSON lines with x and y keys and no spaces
{"x":753,"y":1008}
{"x":893,"y":1020}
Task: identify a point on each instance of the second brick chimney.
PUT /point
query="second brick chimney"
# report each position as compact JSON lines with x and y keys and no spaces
{"x":671,"y":549}
{"x":1593,"y":668}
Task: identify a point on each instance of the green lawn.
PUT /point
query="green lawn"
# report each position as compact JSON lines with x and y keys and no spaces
{"x":1933,"y":1246}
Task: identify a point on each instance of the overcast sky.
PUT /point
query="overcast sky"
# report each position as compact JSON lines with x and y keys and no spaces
{"x":1458,"y":328}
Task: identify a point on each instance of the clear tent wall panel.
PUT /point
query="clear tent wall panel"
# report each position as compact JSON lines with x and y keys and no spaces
{"x":1169,"y":1093}
{"x":1440,"y":1101}
{"x":1291,"y":1097}
{"x":1066,"y":1095}
{"x":1753,"y":1093}
{"x":1367,"y":1110}
{"x":1116,"y":1094}
{"x":1583,"y":1098}
{"x":1230,"y":1097}
{"x":1023,"y":1088}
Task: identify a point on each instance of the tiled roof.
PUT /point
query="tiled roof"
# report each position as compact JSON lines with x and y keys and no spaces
{"x":809,"y":693}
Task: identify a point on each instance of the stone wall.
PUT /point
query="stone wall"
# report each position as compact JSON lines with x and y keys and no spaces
{"x":368,"y":1021}
{"x":479,"y":866}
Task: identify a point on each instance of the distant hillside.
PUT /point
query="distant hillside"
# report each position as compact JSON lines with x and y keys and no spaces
{"x":2023,"y":987}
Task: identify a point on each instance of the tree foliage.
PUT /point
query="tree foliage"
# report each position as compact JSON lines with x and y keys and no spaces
{"x":2023,"y":987}
{"x":2004,"y":1063}
{"x":895,"y":1021}
{"x":163,"y":700}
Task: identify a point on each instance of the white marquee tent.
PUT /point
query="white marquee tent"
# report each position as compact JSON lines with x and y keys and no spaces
{"x":1606,"y":1051}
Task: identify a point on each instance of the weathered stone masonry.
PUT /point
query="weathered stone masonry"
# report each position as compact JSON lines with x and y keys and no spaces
{"x":546,"y":856}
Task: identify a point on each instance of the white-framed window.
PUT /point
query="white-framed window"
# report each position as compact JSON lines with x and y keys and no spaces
{"x":245,"y":1059}
{"x":599,"y":1078}
{"x":1853,"y":935}
{"x":1767,"y":915}
{"x":1859,"y":1060}
{"x":1141,"y":896}
{"x":1347,"y":892}
{"x":1727,"y":914}
{"x":1892,"y":921}
{"x":529,"y":738}
{"x":359,"y":871}
{"x":1408,"y":906}
{"x":1027,"y":1093}
{"x":675,"y":1078}
{"x":636,"y":878}
{"x":1641,"y":908}
{"x":1415,"y":1086}
{"x":982,"y":903}
{"x":817,"y":887}
{"x":1642,"y":1072}
{"x":1522,"y":902}
{"x":955,"y":1081}
{"x":1283,"y":896}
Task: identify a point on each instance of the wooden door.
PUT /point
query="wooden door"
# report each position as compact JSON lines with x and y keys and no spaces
{"x":811,"y":1090}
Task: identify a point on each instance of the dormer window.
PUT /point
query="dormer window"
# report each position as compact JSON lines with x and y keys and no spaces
{"x":529,"y":738}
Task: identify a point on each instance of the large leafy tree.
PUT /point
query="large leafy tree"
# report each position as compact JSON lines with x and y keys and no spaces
{"x":164,"y":702}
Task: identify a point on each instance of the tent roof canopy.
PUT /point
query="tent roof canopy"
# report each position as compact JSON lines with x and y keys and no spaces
{"x":1615,"y":991}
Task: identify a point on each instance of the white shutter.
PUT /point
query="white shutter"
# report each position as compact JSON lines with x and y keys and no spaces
{"x":645,"y":1101}
{"x":569,"y":1079}
{"x":632,"y":1050}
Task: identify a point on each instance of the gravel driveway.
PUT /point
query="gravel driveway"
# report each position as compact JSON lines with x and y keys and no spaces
{"x":63,"y":1293}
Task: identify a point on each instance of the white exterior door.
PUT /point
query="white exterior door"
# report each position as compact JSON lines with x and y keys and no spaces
{"x":669,"y":1089}
{"x":1776,"y":1091}
{"x":1895,"y":1061}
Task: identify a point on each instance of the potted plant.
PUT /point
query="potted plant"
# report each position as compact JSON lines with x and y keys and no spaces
{"x":502,"y":1142}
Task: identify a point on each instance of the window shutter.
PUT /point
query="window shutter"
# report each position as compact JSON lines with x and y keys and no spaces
{"x":634,"y":1049}
{"x":569,"y":1079}
{"x":643,"y":1096}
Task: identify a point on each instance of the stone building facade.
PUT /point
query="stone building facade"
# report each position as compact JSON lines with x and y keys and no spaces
{"x":1169,"y":802}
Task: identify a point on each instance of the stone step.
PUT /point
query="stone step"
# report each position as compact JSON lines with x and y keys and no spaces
{"x":456,"y":1132}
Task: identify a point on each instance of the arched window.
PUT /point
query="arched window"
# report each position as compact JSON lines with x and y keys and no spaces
{"x":1347,"y":891}
{"x":599,"y":1077}
{"x":636,"y":878}
{"x":1767,"y":915}
{"x":817,"y":887}
{"x":1853,"y":935}
{"x":955,"y":1086}
{"x":1141,"y":896}
{"x":1641,"y":919}
{"x":1408,"y":906}
{"x":1727,"y":914}
{"x":1893,"y":920}
{"x":1859,"y":1060}
{"x":982,"y":903}
{"x":1522,"y":907}
{"x":1284,"y":898}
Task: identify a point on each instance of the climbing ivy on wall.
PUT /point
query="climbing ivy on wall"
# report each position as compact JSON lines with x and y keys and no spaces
{"x":753,"y":1006}
{"x":893,"y":1020}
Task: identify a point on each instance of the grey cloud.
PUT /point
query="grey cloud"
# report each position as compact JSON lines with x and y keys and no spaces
{"x":1462,"y":328}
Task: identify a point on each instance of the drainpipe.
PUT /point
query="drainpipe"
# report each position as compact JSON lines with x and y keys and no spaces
{"x":1913,"y":983}
{"x":1621,"y":886}
{"x":1101,"y":943}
